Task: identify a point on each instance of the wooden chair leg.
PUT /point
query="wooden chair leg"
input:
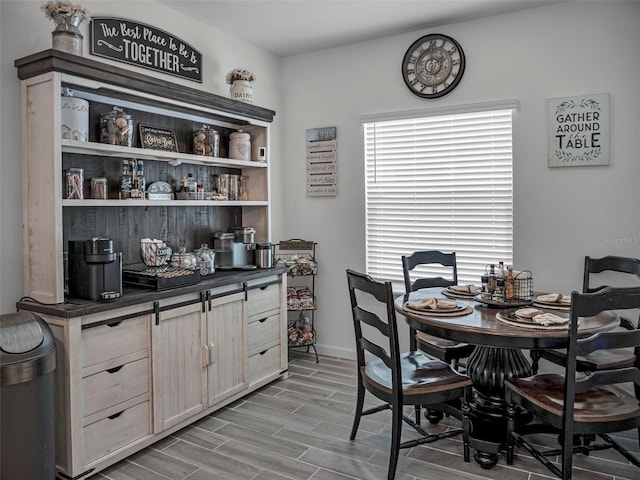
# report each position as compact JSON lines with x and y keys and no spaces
{"x":535,"y":361}
{"x":466,"y":429}
{"x":358,"y":413}
{"x":417,"y":409}
{"x":511,"y":424}
{"x":396,"y":432}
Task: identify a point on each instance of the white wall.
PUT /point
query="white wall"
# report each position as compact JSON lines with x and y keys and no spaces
{"x":560,"y":215}
{"x":25,"y":30}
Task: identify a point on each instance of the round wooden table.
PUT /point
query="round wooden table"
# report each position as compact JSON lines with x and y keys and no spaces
{"x":497,"y":356}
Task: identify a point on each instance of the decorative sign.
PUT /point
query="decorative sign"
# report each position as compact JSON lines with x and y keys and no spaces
{"x":155,"y":138}
{"x":145,"y":46}
{"x":322,"y":174}
{"x":579,"y":131}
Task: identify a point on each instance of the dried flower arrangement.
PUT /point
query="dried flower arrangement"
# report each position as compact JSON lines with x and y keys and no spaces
{"x":54,"y":9}
{"x":240,"y":74}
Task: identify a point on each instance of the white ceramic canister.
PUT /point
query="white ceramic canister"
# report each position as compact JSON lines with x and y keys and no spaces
{"x":242,"y":90}
{"x":240,"y":145}
{"x":74,"y":117}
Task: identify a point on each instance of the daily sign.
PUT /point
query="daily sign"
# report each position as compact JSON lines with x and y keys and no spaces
{"x":145,"y":46}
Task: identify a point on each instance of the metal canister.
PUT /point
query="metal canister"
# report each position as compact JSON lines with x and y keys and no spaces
{"x":264,"y":255}
{"x":74,"y":117}
{"x":116,"y":128}
{"x":206,"y":141}
{"x":240,"y":145}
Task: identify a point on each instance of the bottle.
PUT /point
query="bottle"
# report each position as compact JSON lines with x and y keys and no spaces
{"x":125,"y":181}
{"x":492,"y":279}
{"x":191,"y":185}
{"x":183,"y":184}
{"x":139,"y":181}
{"x":509,"y":285}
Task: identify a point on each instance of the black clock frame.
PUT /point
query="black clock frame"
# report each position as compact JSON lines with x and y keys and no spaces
{"x":412,"y":49}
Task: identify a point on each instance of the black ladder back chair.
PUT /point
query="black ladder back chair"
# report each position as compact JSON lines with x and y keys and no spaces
{"x":599,"y":359}
{"x":575,"y":405}
{"x":398,"y":378}
{"x":445,"y":350}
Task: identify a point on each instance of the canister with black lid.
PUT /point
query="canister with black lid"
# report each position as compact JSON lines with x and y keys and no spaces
{"x":116,"y":128}
{"x":264,"y":257}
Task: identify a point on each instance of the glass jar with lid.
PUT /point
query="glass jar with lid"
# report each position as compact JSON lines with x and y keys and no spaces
{"x":240,"y":145}
{"x":116,"y":128}
{"x":206,"y":141}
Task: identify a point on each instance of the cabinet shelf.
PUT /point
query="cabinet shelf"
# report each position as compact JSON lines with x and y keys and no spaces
{"x":106,"y":150}
{"x":162,"y":203}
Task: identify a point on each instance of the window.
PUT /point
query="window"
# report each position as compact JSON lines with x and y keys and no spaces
{"x":439,"y":180}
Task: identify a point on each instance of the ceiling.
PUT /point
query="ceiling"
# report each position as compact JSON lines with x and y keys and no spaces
{"x":291,"y":27}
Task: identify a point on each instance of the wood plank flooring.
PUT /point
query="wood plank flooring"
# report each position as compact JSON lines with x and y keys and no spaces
{"x":298,"y":429}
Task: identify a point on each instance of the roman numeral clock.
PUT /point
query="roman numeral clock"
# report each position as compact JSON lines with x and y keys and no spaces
{"x":433,"y":66}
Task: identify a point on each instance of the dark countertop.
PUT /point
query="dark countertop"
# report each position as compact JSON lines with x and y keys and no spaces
{"x":136,"y":295}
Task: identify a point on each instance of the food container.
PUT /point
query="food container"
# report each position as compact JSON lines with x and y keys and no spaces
{"x":206,"y":141}
{"x":233,"y":187}
{"x":99,"y":188}
{"x":240,"y":145}
{"x":183,"y":259}
{"x":116,"y":128}
{"x":222,"y":182}
{"x":74,"y":117}
{"x":75,"y":183}
{"x":264,"y":255}
{"x":206,"y":259}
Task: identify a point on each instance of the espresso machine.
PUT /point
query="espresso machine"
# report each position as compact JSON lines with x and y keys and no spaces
{"x":235,"y":248}
{"x":95,"y":270}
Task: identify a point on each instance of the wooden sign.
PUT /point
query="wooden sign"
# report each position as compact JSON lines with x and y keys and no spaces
{"x":155,"y":138}
{"x":144,"y":46}
{"x":322,"y":172}
{"x":579,"y":131}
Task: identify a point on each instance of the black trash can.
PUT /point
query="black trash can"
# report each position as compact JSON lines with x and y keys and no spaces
{"x":27,"y":364}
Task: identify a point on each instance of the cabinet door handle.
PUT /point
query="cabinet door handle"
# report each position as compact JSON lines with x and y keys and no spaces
{"x":115,"y":415}
{"x":205,"y":355}
{"x":211,"y":354}
{"x":114,"y":369}
{"x":262,"y":320}
{"x":114,"y":324}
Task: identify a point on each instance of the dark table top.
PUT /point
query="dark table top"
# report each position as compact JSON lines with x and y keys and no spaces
{"x":481,"y":327}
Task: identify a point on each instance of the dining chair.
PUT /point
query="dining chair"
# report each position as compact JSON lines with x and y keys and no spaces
{"x":578,"y":405}
{"x":445,"y":350}
{"x":602,"y":358}
{"x":400,"y":378}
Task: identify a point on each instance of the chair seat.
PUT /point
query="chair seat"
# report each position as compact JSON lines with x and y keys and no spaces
{"x":600,"y":404}
{"x":443,"y":349}
{"x":420,"y":375}
{"x":598,"y":360}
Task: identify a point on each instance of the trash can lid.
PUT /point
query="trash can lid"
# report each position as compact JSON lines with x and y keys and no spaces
{"x":20,"y":332}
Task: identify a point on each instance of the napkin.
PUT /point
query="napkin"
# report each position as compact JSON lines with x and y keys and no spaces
{"x":555,"y":298}
{"x":432,"y":304}
{"x":528,"y":312}
{"x":547,"y":319}
{"x":465,"y":289}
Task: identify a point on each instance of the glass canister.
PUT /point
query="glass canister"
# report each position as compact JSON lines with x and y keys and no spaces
{"x":116,"y":128}
{"x":74,"y":117}
{"x":243,"y":188}
{"x":75,"y":183}
{"x":206,"y":141}
{"x":99,"y":188}
{"x":223,"y":185}
{"x":233,"y":187}
{"x":206,"y":259}
{"x":240,"y":145}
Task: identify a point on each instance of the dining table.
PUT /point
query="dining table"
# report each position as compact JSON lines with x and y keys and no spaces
{"x":500,"y":339}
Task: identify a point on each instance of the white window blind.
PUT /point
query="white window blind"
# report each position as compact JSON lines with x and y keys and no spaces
{"x":440,"y":182}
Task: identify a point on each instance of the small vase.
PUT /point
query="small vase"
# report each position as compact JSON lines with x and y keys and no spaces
{"x":66,"y":36}
{"x":242,"y":90}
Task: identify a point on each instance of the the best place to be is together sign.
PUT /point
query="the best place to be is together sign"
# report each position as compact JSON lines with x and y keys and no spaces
{"x":145,"y":46}
{"x":579,"y":131}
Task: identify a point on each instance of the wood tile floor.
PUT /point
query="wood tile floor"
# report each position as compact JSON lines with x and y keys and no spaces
{"x":299,"y":429}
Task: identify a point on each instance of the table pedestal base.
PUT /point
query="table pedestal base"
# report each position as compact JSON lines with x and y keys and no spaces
{"x":488,"y":367}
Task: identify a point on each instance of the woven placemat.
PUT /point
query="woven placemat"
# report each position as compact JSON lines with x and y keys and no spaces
{"x":434,"y":313}
{"x":531,"y":326}
{"x":459,"y":296}
{"x":560,"y":307}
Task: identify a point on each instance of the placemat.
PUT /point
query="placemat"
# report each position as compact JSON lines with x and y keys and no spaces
{"x":532,"y":326}
{"x":458,"y":296}
{"x":553,"y":306}
{"x":460,"y":313}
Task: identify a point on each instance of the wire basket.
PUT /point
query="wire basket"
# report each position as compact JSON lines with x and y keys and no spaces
{"x":523,"y":285}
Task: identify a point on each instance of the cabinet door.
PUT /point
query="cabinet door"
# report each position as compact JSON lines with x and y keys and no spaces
{"x":178,"y":365}
{"x":227,"y":373}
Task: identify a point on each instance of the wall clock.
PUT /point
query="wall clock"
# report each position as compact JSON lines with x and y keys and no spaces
{"x":433,"y":66}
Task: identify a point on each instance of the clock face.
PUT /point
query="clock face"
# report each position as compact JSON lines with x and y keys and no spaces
{"x":433,"y":66}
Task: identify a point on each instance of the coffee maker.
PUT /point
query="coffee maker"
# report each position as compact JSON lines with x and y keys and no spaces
{"x":95,"y":270}
{"x":235,"y":249}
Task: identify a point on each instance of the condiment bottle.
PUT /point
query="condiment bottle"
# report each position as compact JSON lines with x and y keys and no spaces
{"x":509,"y":287}
{"x":125,"y":181}
{"x":492,"y":279}
{"x":191,"y":185}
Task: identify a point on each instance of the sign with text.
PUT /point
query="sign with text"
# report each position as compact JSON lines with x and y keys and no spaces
{"x":579,"y":131}
{"x":155,"y":138}
{"x":322,"y":177}
{"x":144,"y":46}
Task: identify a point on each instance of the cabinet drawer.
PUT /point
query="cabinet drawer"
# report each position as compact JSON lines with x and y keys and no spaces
{"x":261,"y":300}
{"x":264,"y":363}
{"x":110,"y":387}
{"x":263,"y":331}
{"x":106,"y":342}
{"x":111,"y":433}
